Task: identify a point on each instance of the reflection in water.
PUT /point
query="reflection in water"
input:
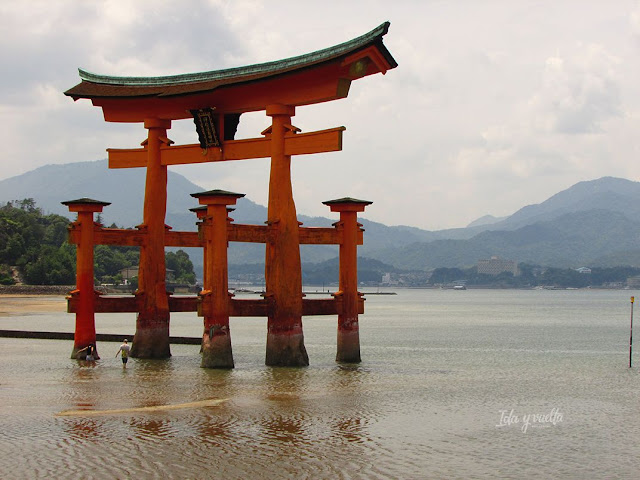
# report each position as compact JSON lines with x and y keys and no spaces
{"x":85,"y":386}
{"x":214,"y":425}
{"x":213,"y":383}
{"x":352,"y":429}
{"x":145,"y":366}
{"x":84,"y":429}
{"x":286,"y":381}
{"x":350,"y":383}
{"x":151,"y":428}
{"x":214,"y":429}
{"x":316,"y":413}
{"x":283,"y":416}
{"x":152,"y":383}
{"x":286,"y":429}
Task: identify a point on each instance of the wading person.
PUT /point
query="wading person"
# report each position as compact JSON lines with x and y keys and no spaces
{"x":90,"y":355}
{"x":124,"y":350}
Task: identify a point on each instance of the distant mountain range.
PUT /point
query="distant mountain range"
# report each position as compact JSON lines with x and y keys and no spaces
{"x":593,"y":223}
{"x":124,"y":188}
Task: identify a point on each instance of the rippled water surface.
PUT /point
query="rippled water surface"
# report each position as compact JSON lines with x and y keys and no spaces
{"x":453,"y":384}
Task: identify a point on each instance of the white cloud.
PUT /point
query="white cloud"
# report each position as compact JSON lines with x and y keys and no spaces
{"x":494,"y":105}
{"x":578,"y":93}
{"x":634,"y":21}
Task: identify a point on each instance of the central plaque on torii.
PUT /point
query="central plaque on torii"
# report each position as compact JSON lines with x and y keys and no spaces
{"x":216,"y":100}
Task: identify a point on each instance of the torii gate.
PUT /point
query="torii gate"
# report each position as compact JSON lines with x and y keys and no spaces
{"x":215,"y":100}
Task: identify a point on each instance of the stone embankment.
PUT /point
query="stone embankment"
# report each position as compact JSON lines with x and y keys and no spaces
{"x":35,"y":289}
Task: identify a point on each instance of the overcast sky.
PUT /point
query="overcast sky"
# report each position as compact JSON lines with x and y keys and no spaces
{"x":494,"y":105}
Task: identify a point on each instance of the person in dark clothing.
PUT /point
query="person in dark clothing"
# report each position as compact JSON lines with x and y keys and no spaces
{"x":90,"y":356}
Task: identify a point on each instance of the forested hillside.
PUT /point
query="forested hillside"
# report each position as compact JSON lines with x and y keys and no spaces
{"x":35,"y":245}
{"x":34,"y":248}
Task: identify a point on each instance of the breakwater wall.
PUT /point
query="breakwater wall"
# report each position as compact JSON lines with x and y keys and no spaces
{"x":36,"y":289}
{"x":101,"y":337}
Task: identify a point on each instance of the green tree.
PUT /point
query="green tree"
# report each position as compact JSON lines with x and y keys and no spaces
{"x":182,"y":267}
{"x":109,"y":260}
{"x":55,"y":266}
{"x":35,"y":243}
{"x":5,"y":275}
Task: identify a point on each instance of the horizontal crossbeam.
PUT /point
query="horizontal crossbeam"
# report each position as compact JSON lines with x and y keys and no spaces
{"x":251,"y":307}
{"x":295,"y":144}
{"x":235,"y":233}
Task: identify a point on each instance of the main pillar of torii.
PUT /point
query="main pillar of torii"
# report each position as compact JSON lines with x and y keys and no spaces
{"x":215,"y":100}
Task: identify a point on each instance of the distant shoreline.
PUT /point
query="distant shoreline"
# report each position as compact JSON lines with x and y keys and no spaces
{"x":36,"y":289}
{"x":63,"y":290}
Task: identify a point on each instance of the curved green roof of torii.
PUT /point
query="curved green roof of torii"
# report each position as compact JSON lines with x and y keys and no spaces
{"x":315,"y":77}
{"x":95,"y":85}
{"x":301,"y":60}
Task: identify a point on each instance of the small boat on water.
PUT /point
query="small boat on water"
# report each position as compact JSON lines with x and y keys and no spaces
{"x":459,"y":287}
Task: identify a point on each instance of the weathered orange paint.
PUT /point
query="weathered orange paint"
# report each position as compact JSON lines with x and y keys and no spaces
{"x":313,"y":85}
{"x":151,"y":339}
{"x":319,"y":80}
{"x":295,"y":144}
{"x":283,"y":270}
{"x":246,"y":307}
{"x":236,"y":233}
{"x":136,"y":238}
{"x":119,"y":236}
{"x":216,"y":339}
{"x":131,"y":304}
{"x":106,"y":304}
{"x":348,"y":349}
{"x":85,"y":329}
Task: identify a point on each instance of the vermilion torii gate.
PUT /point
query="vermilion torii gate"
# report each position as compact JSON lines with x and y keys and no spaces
{"x":215,"y":100}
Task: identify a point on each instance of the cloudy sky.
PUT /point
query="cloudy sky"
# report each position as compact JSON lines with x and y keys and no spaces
{"x":495,"y":104}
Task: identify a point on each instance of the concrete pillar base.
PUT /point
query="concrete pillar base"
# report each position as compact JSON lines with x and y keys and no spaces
{"x":151,"y":342}
{"x":348,"y":346}
{"x":216,"y":351}
{"x":286,"y":350}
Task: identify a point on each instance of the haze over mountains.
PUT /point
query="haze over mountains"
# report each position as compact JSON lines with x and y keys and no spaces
{"x":593,"y":223}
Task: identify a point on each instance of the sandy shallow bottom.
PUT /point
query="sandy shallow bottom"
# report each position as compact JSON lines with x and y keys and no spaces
{"x":11,"y":305}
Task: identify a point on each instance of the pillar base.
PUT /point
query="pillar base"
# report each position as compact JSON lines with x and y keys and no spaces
{"x":216,"y":351}
{"x":348,"y":346}
{"x":151,"y":342}
{"x":286,"y":350}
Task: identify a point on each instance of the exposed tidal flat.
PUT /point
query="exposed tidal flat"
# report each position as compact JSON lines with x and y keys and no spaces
{"x":453,"y":384}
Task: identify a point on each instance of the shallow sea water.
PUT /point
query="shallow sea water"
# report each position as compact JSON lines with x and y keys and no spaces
{"x":453,"y":384}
